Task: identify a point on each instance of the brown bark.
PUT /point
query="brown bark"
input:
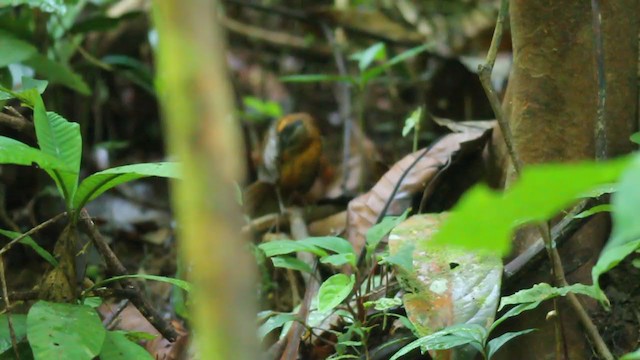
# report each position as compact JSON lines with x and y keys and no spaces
{"x":551,"y":103}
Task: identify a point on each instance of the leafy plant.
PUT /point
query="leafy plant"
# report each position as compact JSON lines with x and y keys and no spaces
{"x":58,"y":330}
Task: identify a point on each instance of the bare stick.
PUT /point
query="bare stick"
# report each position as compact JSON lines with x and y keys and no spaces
{"x":18,"y":123}
{"x":5,"y":295}
{"x":115,"y":267}
{"x":32,"y":231}
{"x":554,"y":257}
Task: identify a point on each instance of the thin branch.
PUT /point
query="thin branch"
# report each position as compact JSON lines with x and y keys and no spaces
{"x":5,"y":295}
{"x":554,"y":257}
{"x":32,"y":231}
{"x":115,"y":267}
{"x":18,"y":123}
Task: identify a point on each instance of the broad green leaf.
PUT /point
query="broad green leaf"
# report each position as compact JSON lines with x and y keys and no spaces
{"x":13,"y":49}
{"x":315,"y":78}
{"x":17,"y":153}
{"x":376,"y":51}
{"x":60,"y":138}
{"x":28,"y":241}
{"x":495,"y":344}
{"x":58,"y":73}
{"x":377,"y":232}
{"x":19,"y":324}
{"x":331,"y":243}
{"x":453,"y":336}
{"x":625,"y":236}
{"x":340,"y":259}
{"x":544,"y":291}
{"x":184,"y":285}
{"x":64,"y":331}
{"x":117,"y":346}
{"x":94,"y":185}
{"x":485,"y":219}
{"x":288,"y":262}
{"x":283,"y":247}
{"x":594,"y":210}
{"x":334,"y":290}
{"x":273,"y":323}
{"x":635,"y":138}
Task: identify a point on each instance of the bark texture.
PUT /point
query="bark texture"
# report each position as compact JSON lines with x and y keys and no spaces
{"x":551,"y":103}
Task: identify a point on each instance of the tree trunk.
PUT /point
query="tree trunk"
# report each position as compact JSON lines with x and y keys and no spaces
{"x":551,"y":103}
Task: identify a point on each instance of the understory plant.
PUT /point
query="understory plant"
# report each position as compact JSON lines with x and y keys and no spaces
{"x":64,"y":322}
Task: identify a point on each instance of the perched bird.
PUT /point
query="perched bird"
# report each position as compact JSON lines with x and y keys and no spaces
{"x":290,"y":160}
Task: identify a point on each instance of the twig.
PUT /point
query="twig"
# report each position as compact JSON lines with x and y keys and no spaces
{"x":5,"y":295}
{"x":344,"y":104}
{"x":115,"y":267}
{"x":601,"y":122}
{"x":32,"y":231}
{"x":484,"y":72}
{"x":554,"y":257}
{"x":18,"y":123}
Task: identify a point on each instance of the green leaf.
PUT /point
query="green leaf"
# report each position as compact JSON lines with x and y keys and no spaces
{"x":283,"y":247}
{"x":315,"y":78}
{"x":117,"y":346}
{"x":273,"y":323}
{"x":184,"y":285}
{"x":495,"y":344}
{"x":594,"y":210}
{"x":59,"y":138}
{"x":376,"y":51}
{"x":339,"y":259}
{"x":133,"y":69}
{"x":384,"y":304}
{"x":94,"y":185}
{"x":448,"y":338}
{"x":13,"y":49}
{"x":17,"y":153}
{"x":334,"y":290}
{"x":412,"y":121}
{"x":64,"y":331}
{"x":631,"y":356}
{"x":625,"y":237}
{"x":377,"y":232}
{"x":263,"y":107}
{"x":58,"y":73}
{"x":403,"y":258}
{"x":19,"y":324}
{"x":635,"y":138}
{"x":484,"y":219}
{"x":28,"y":241}
{"x":377,"y":70}
{"x":331,"y":243}
{"x":544,"y":291}
{"x":288,"y":262}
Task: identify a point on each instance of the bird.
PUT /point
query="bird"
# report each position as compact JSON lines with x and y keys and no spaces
{"x":290,"y":160}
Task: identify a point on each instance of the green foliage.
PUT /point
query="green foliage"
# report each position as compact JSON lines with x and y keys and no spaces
{"x":68,"y":331}
{"x":184,"y":285}
{"x":60,"y":154}
{"x":28,"y":241}
{"x":334,"y":290}
{"x":261,"y":108}
{"x":484,"y":219}
{"x":64,"y":331}
{"x":625,"y":237}
{"x":477,"y":336}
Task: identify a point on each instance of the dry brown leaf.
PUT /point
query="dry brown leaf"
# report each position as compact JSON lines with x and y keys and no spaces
{"x":409,"y":179}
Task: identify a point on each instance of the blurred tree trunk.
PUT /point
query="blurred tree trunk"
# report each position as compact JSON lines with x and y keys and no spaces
{"x":203,"y":134}
{"x":551,"y":103}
